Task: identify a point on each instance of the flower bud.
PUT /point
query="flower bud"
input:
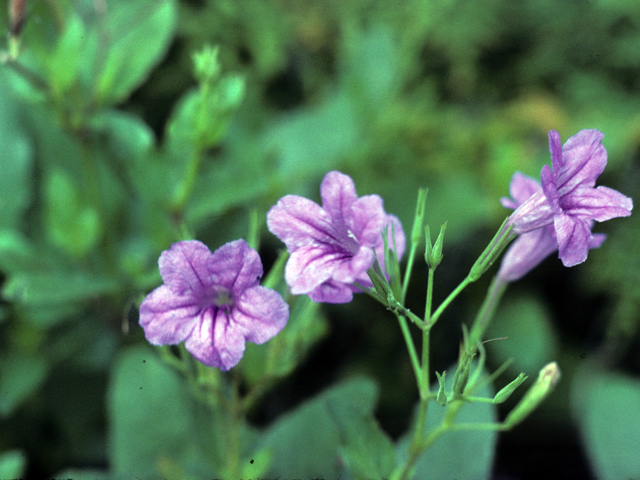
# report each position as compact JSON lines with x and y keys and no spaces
{"x":547,"y":380}
{"x":506,"y":391}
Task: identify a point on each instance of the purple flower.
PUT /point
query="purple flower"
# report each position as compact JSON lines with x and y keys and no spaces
{"x":568,"y":200}
{"x":212,"y":302}
{"x":332,"y":246}
{"x":530,"y":248}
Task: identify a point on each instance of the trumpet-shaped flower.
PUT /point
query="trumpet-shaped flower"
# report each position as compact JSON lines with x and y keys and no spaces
{"x":213,"y":302}
{"x":332,"y":246}
{"x":530,"y":248}
{"x":568,"y":199}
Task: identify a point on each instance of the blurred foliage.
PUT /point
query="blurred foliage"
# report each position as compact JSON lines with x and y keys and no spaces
{"x":126,"y":125}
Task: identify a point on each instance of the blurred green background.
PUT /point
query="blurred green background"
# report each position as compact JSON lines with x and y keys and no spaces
{"x":113,"y":146}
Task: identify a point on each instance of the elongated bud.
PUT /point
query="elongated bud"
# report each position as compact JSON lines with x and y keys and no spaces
{"x":547,"y":380}
{"x":441,"y":398}
{"x":461,"y":376}
{"x":493,"y":251}
{"x":506,"y":391}
{"x":418,"y":219}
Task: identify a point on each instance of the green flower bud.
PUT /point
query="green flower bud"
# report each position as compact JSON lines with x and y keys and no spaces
{"x":506,"y":391}
{"x":547,"y":380}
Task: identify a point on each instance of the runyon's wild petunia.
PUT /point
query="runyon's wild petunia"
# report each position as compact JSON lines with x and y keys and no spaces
{"x":213,"y":302}
{"x":332,"y":246}
{"x":530,"y":248}
{"x":568,"y":200}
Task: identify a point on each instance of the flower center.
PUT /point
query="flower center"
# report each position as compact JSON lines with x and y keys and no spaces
{"x":223,"y":298}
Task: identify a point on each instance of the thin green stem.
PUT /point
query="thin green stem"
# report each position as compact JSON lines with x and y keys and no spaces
{"x":487,"y":310}
{"x":449,"y":299}
{"x":415,"y":363}
{"x":407,"y":273}
{"x":189,"y":180}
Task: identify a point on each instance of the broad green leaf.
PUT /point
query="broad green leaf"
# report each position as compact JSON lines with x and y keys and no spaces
{"x":149,"y":415}
{"x":47,"y":297}
{"x":366,"y":450}
{"x":131,"y":37}
{"x":304,"y":442}
{"x":71,"y":225}
{"x":464,"y":455}
{"x":66,"y":59}
{"x":17,"y":253}
{"x":21,"y":376}
{"x":531,"y":340}
{"x":607,"y":409}
{"x":12,"y":464}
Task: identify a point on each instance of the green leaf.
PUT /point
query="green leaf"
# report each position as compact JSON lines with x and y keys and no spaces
{"x":66,"y":59}
{"x":148,"y":415}
{"x":305,"y":442}
{"x":21,"y":376}
{"x":137,"y":34}
{"x":532,"y":341}
{"x":71,"y":224}
{"x":464,"y":455}
{"x":607,"y":407}
{"x":12,"y":464}
{"x":16,"y":158}
{"x":366,"y":450}
{"x":75,"y":474}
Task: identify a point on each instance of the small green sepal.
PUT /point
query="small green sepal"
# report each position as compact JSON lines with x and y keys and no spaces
{"x":441,"y":398}
{"x":492,"y":252}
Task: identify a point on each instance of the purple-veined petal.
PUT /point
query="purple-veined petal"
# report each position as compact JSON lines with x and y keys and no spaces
{"x":583,"y":160}
{"x":534,"y":213}
{"x":599,"y":204}
{"x":308,"y":267}
{"x":167,"y":318}
{"x":338,"y":193}
{"x":573,"y":236}
{"x":555,"y":149}
{"x":184,"y":268}
{"x":332,"y":292}
{"x":216,"y":341}
{"x":261,"y":312}
{"x":298,"y":221}
{"x":548,"y":181}
{"x":236,"y":266}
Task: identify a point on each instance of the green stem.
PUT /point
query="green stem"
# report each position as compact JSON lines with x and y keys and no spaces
{"x":449,"y":299}
{"x":186,"y":187}
{"x":407,"y":273}
{"x":487,"y":310}
{"x":415,"y":363}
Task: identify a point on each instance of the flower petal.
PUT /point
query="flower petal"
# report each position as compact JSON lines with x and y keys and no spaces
{"x":583,"y":160}
{"x":310,"y":266}
{"x":573,"y":236}
{"x":332,"y":292}
{"x":216,"y":341}
{"x":338,"y":193}
{"x":599,"y":204}
{"x":298,"y":221}
{"x":235,"y":266}
{"x":167,"y":318}
{"x":184,"y":268}
{"x":548,"y":180}
{"x":261,"y":312}
{"x":534,"y":213}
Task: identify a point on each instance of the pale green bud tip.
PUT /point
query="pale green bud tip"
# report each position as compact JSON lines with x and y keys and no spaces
{"x":547,"y":380}
{"x":416,"y":230}
{"x":436,"y":254}
{"x":506,"y":391}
